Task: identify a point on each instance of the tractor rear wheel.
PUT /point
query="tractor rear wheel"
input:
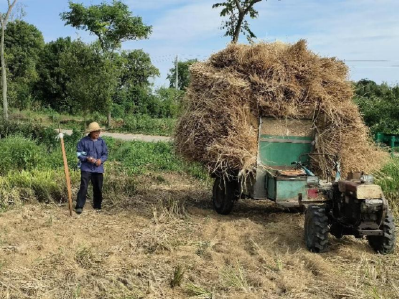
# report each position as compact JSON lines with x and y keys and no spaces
{"x":384,"y":244}
{"x":225,"y":193}
{"x":316,"y":229}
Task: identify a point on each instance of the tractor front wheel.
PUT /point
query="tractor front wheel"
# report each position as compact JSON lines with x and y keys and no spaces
{"x":384,"y":244}
{"x":316,"y":229}
{"x":225,"y":193}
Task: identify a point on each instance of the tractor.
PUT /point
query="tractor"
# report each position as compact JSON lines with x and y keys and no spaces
{"x":355,"y":206}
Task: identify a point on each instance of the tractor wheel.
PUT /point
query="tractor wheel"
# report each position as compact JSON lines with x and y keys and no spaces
{"x":384,"y":244}
{"x":225,"y":193}
{"x":316,"y":229}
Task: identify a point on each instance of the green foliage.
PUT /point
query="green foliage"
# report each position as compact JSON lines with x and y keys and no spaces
{"x":111,"y":23}
{"x":170,"y":101}
{"x":53,"y":78}
{"x":141,"y":157}
{"x":235,"y":11}
{"x":136,"y":68}
{"x":379,"y":105}
{"x":92,"y":78}
{"x":23,"y":43}
{"x":183,"y":74}
{"x":388,"y":179}
{"x":148,"y":125}
{"x":19,"y":153}
{"x":32,"y":169}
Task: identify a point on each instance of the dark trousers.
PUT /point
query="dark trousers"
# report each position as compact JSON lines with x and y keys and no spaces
{"x":97,"y":182}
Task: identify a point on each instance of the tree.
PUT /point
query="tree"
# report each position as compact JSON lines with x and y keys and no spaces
{"x":170,"y":101}
{"x":25,"y":44}
{"x":4,"y":21}
{"x":91,"y":78}
{"x":379,"y":105}
{"x":112,"y":24}
{"x":51,"y":87}
{"x":136,"y":68}
{"x":135,"y":71}
{"x":236,"y":11}
{"x":183,"y":74}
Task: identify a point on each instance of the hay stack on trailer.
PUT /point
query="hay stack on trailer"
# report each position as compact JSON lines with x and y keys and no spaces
{"x":241,"y":83}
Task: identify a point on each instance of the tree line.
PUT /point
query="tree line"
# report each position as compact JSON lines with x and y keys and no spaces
{"x":70,"y":76}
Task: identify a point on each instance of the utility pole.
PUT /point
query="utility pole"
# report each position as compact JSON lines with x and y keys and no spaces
{"x":176,"y":72}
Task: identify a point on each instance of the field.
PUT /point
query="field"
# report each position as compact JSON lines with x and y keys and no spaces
{"x":167,"y":242}
{"x":142,"y":124}
{"x":158,"y":235}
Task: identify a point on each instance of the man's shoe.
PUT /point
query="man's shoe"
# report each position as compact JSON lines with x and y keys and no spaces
{"x":78,"y":210}
{"x":98,"y":209}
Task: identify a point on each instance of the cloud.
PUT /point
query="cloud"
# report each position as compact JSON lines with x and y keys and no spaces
{"x":352,"y":30}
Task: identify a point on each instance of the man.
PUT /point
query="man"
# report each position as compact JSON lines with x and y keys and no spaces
{"x":92,"y":153}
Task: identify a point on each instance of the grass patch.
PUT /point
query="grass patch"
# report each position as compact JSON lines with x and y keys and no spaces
{"x":31,"y":165}
{"x":146,"y":125}
{"x":388,"y":179}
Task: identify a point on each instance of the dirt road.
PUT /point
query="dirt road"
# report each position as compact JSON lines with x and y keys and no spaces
{"x":130,"y":137}
{"x":167,"y":242}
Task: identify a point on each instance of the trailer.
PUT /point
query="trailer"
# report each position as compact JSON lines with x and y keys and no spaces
{"x":354,"y":206}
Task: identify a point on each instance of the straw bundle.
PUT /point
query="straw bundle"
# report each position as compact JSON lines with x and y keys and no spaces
{"x":237,"y":85}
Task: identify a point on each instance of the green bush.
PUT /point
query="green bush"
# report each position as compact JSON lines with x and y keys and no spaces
{"x":388,"y":179}
{"x":139,"y":157}
{"x":19,"y":153}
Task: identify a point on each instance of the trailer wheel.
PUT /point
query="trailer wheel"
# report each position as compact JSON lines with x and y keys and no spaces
{"x":225,"y":193}
{"x":316,"y":228}
{"x":384,"y":244}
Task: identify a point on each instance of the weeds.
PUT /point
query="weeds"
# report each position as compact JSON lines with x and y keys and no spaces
{"x":388,"y":179}
{"x":234,"y":277}
{"x":198,"y":291}
{"x":85,"y":258}
{"x":177,"y":277}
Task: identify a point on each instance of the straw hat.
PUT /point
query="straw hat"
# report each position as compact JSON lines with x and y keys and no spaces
{"x":94,"y":126}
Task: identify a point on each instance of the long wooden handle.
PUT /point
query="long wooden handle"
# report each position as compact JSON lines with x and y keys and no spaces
{"x":67,"y":176}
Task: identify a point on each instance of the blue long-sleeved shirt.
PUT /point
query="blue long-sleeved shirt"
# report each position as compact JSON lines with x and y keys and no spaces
{"x":89,"y":148}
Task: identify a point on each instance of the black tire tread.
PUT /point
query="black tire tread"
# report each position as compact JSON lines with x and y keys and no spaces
{"x":385,"y":244}
{"x":229,"y":196}
{"x":316,"y":215}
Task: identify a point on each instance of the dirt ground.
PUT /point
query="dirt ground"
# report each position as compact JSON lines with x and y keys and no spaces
{"x":167,"y":242}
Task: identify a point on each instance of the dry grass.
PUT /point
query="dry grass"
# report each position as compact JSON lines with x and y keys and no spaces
{"x":228,"y":93}
{"x":127,"y":252}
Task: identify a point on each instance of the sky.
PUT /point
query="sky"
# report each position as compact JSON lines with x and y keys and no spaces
{"x":363,"y":33}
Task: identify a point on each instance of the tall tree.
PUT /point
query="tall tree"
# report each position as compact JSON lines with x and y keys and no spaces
{"x":183,"y":74}
{"x":236,"y":11}
{"x":51,"y":87}
{"x":91,"y":78}
{"x":4,"y":21}
{"x":136,"y":68}
{"x":24,"y":44}
{"x":111,"y":23}
{"x":135,"y":71}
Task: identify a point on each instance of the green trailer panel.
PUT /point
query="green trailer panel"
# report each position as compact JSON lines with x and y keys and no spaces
{"x":284,"y":189}
{"x":282,"y":150}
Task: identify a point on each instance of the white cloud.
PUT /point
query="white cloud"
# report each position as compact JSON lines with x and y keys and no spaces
{"x":352,"y":30}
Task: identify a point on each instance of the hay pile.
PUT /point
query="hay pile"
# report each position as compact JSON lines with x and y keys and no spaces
{"x":229,"y":92}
